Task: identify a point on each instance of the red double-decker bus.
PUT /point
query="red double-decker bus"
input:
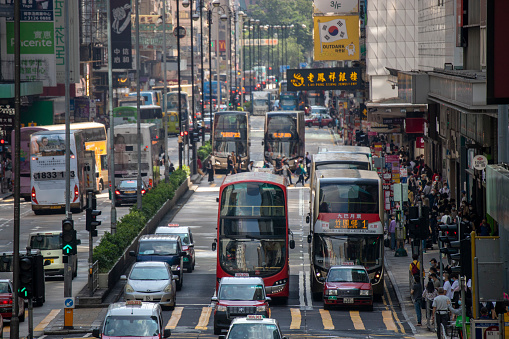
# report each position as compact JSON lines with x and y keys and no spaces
{"x":252,"y":230}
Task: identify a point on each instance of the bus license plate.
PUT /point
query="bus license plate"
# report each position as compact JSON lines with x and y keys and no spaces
{"x":148,"y":298}
{"x":348,"y":300}
{"x":333,"y":297}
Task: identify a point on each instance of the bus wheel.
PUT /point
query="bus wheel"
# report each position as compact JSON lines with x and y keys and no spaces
{"x":101,"y":186}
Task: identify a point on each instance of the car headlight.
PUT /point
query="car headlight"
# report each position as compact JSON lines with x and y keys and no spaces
{"x":175,"y":267}
{"x":332,"y":292}
{"x":168,"y":288}
{"x":221,"y":308}
{"x":129,"y":289}
{"x":261,"y":308}
{"x":365,"y":292}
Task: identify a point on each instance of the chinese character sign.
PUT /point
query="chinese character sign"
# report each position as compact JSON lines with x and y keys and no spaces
{"x":120,"y":18}
{"x":323,"y":79}
{"x":336,"y":6}
{"x":336,"y":37}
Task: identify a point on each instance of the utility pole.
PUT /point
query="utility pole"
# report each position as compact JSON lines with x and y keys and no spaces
{"x":195,"y":153}
{"x":165,"y":101}
{"x":138,"y":97}
{"x":181,"y":144}
{"x":113,"y":212}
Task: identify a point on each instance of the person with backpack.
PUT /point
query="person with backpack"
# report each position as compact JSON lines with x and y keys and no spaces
{"x":415,"y":266}
{"x":300,"y":171}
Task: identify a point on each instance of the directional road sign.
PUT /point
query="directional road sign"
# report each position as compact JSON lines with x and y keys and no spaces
{"x":69,"y":302}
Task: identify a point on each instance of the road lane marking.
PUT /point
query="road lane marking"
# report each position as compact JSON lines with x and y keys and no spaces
{"x":204,"y":318}
{"x":326,"y":319}
{"x":394,"y":314}
{"x":175,"y":317}
{"x":309,"y":302}
{"x":357,"y":321}
{"x":296,"y":319}
{"x":301,"y":202}
{"x":388,"y":321}
{"x":42,"y":325}
{"x":301,"y":289}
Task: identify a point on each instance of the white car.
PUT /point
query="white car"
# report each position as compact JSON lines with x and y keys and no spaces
{"x":254,"y":327}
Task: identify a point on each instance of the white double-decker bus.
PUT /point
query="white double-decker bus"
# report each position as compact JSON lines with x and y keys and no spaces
{"x":126,"y":153}
{"x":47,"y":170}
{"x":347,"y":219}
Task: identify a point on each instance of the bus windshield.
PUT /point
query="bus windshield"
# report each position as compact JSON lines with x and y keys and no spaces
{"x":253,"y":199}
{"x":332,"y":250}
{"x":348,"y":198}
{"x":230,"y":135}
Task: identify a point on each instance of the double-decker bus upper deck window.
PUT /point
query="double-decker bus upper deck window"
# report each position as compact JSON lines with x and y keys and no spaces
{"x":354,"y":198}
{"x":253,"y":199}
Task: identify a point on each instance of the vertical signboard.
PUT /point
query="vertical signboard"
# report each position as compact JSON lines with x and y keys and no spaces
{"x":336,"y":37}
{"x":37,"y":43}
{"x":60,"y":46}
{"x":497,"y":71}
{"x":120,"y":18}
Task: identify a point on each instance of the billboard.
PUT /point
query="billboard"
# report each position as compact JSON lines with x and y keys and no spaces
{"x":336,"y":38}
{"x":337,"y":6}
{"x":120,"y":18}
{"x":323,"y":79}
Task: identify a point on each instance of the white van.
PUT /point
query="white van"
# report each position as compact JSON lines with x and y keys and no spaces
{"x":50,"y":245}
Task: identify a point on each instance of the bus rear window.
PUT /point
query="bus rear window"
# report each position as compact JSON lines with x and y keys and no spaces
{"x":46,"y":242}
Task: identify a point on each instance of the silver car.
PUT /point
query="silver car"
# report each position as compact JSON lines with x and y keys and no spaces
{"x":151,"y":281}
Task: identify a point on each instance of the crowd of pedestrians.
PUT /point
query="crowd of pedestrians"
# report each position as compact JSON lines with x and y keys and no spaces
{"x":281,"y":166}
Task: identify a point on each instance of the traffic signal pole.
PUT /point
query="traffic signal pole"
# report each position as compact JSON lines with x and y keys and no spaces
{"x":421,"y":248}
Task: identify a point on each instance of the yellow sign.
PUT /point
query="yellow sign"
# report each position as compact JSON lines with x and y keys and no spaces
{"x":347,"y":223}
{"x":282,"y":135}
{"x":230,"y":134}
{"x":336,"y":37}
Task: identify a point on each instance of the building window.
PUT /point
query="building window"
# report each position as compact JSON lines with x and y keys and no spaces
{"x":483,"y":47}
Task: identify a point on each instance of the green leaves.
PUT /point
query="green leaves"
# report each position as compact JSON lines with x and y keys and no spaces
{"x":112,"y":246}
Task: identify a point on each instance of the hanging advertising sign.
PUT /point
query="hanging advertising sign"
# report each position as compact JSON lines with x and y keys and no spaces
{"x":336,"y":6}
{"x":120,"y":18}
{"x":323,"y":79}
{"x":336,"y":38}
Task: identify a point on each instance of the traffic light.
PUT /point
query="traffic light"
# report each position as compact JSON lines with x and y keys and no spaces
{"x":26,"y":276}
{"x":196,"y":136}
{"x":92,"y":223}
{"x":448,"y":236}
{"x":191,"y":138}
{"x":2,"y":141}
{"x":463,"y":258}
{"x":69,"y":241}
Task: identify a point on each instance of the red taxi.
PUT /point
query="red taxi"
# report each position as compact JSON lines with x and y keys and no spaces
{"x":347,"y":285}
{"x":7,"y":299}
{"x":313,"y":120}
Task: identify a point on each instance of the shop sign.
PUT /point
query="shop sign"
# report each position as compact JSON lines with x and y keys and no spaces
{"x":480,"y":162}
{"x":323,"y":79}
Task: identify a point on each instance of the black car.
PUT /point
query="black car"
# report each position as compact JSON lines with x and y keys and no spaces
{"x":126,"y":192}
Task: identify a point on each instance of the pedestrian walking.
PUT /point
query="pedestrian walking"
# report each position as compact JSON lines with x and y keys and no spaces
{"x":250,"y":166}
{"x":300,"y":171}
{"x":392,"y":232}
{"x":287,"y":172}
{"x":234,"y":162}
{"x":428,"y":295}
{"x":441,"y":311}
{"x":213,"y":161}
{"x":199,"y":167}
{"x":229,"y":165}
{"x":210,"y":170}
{"x":320,"y":121}
{"x":416,"y":294}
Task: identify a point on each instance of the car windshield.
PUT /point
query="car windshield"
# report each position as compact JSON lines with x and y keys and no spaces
{"x":46,"y":242}
{"x":158,"y":248}
{"x":149,"y":273}
{"x":347,"y":275}
{"x":5,"y":287}
{"x":254,"y":331}
{"x":131,"y":326}
{"x":128,"y":184}
{"x":241,"y":292}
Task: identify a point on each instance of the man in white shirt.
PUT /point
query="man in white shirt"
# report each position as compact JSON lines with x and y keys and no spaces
{"x":447,"y":286}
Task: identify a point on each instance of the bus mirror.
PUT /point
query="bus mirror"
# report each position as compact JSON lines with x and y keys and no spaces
{"x":217,"y":199}
{"x":307,"y":219}
{"x":214,"y":245}
{"x":309,"y":238}
{"x":292,"y":244}
{"x":262,"y":142}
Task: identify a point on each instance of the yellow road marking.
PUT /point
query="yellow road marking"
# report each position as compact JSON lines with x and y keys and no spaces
{"x":296,"y":319}
{"x":326,"y":320}
{"x":175,"y":317}
{"x":357,"y":321}
{"x":388,"y":321}
{"x":394,"y":314}
{"x":270,"y":312}
{"x":42,"y":325}
{"x":204,"y":318}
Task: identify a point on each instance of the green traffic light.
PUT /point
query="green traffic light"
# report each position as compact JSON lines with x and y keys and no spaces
{"x":67,"y":248}
{"x":23,"y":292}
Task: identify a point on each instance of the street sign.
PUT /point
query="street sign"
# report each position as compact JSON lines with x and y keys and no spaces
{"x":283,"y":68}
{"x":69,"y":302}
{"x":179,"y":32}
{"x":480,"y":162}
{"x":303,"y":65}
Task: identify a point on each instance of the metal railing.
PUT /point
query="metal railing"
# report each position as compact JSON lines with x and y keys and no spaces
{"x":95,"y":276}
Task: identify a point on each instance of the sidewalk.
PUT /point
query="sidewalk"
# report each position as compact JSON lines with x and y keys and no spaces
{"x":397,"y":271}
{"x":6,"y":195}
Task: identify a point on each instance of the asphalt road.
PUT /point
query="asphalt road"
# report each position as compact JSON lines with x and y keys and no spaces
{"x":301,"y":317}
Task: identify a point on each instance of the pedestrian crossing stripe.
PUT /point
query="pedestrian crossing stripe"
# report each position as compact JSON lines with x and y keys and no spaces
{"x":204,"y":318}
{"x":42,"y":325}
{"x":357,"y":321}
{"x":326,"y":320}
{"x":175,"y":317}
{"x":296,"y":319}
{"x":388,"y":321}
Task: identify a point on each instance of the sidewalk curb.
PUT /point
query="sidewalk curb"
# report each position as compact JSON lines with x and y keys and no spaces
{"x":400,"y":300}
{"x":7,"y":196}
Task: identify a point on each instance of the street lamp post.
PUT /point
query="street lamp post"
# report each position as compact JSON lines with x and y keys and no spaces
{"x":195,"y":17}
{"x":181,"y":144}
